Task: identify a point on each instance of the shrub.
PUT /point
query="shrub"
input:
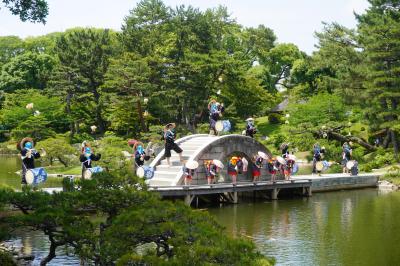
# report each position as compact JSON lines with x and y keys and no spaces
{"x":6,"y":259}
{"x":275,"y":118}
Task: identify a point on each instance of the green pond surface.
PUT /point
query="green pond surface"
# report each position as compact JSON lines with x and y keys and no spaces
{"x":356,"y":227}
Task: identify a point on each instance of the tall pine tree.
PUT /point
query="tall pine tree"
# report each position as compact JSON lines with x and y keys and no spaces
{"x":379,"y":30}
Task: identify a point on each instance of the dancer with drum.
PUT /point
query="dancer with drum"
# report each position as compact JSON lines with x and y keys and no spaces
{"x":169,"y":137}
{"x":250,"y":128}
{"x":346,"y":156}
{"x":28,"y":156}
{"x":86,"y":158}
{"x":140,"y":155}
{"x":284,"y":149}
{"x":317,"y":156}
{"x":216,"y":109}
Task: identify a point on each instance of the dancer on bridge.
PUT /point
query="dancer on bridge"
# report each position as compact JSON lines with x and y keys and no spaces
{"x":234,"y":167}
{"x":257,"y":165}
{"x":250,"y":128}
{"x":28,"y":156}
{"x":211,"y":171}
{"x":189,"y":170}
{"x":87,"y":156}
{"x":216,"y":109}
{"x":272,"y":168}
{"x":169,"y":136}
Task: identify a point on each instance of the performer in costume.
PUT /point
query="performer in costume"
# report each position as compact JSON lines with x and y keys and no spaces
{"x":211,"y":171}
{"x":288,"y":167}
{"x":169,"y":136}
{"x":216,"y":109}
{"x":140,"y":154}
{"x":284,"y":150}
{"x":250,"y":128}
{"x":317,"y":157}
{"x":87,"y":156}
{"x":346,"y":156}
{"x":257,"y":165}
{"x":28,"y":156}
{"x":233,"y":168}
{"x":272,"y":168}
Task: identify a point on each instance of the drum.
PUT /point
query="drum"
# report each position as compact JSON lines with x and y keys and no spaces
{"x":227,"y":125}
{"x":35,"y":176}
{"x":319,"y":166}
{"x":90,"y":171}
{"x":145,"y":172}
{"x":219,"y":126}
{"x":350,"y":164}
{"x":295,"y":168}
{"x":223,"y":126}
{"x":326,"y":165}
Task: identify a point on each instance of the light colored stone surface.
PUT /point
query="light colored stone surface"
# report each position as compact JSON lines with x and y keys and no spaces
{"x":328,"y":182}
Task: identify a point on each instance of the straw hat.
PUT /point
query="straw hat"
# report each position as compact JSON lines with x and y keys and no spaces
{"x":132,"y":142}
{"x":263,"y":155}
{"x":280,"y":160}
{"x":21,"y":145}
{"x":137,"y":144}
{"x":191,"y":164}
{"x":169,"y":124}
{"x":218,"y":163}
{"x":249,"y":119}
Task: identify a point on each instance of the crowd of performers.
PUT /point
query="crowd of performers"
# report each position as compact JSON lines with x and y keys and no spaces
{"x":283,"y":165}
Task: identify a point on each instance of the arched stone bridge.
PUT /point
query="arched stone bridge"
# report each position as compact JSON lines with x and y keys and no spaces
{"x":202,"y":147}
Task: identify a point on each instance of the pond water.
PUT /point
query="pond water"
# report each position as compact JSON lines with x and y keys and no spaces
{"x":357,"y":227}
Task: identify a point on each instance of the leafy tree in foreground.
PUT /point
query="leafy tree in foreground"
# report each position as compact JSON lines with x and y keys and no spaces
{"x":28,"y":10}
{"x":112,"y":219}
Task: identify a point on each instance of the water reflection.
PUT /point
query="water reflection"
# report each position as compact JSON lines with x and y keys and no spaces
{"x":359,"y":227}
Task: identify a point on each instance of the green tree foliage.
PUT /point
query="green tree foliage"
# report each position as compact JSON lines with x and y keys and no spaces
{"x":127,"y":225}
{"x":128,"y":79}
{"x":322,"y":109}
{"x":379,"y":30}
{"x":25,"y":71}
{"x":10,"y":46}
{"x":57,"y":148}
{"x":16,"y":117}
{"x":28,"y":10}
{"x":86,"y":52}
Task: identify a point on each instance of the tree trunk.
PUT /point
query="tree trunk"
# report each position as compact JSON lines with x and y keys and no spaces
{"x":343,"y":138}
{"x":99,"y":118}
{"x":68,"y":111}
{"x":386,"y":140}
{"x":395,"y":144}
{"x":141,"y":118}
{"x":52,"y":253}
{"x":62,"y":161}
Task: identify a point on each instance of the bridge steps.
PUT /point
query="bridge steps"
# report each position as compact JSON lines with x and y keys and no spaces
{"x":165,"y":175}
